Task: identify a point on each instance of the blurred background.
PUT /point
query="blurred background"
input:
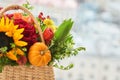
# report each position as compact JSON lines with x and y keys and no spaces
{"x":96,"y":27}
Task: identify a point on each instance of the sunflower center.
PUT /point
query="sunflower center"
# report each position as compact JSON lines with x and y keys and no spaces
{"x":5,"y":40}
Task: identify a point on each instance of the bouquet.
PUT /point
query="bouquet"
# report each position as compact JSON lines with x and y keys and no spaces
{"x":23,"y":43}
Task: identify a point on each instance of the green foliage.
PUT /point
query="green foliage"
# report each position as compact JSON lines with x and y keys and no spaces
{"x":28,"y":5}
{"x":4,"y":59}
{"x":63,"y":45}
{"x":63,"y":67}
{"x":3,"y":49}
{"x":64,"y":49}
{"x":42,"y":25}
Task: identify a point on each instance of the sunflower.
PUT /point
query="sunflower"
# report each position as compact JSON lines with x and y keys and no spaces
{"x":7,"y":26}
{"x":11,"y":34}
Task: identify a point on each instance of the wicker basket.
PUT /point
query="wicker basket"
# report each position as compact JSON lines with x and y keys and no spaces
{"x":26,"y":72}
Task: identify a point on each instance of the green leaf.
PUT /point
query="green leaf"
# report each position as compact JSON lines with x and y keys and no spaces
{"x":3,"y":49}
{"x":81,"y":48}
{"x":27,"y":5}
{"x":64,"y":67}
{"x":63,"y":30}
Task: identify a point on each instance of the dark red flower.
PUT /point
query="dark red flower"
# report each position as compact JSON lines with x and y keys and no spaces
{"x":29,"y":33}
{"x":9,"y":16}
{"x":22,"y":60}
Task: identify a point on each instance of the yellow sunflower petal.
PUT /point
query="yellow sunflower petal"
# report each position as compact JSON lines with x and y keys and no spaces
{"x":17,"y":36}
{"x":2,"y":21}
{"x":2,"y":24}
{"x":11,"y":25}
{"x":11,"y":55}
{"x":20,"y":43}
{"x":19,"y":31}
{"x":6,"y":26}
{"x":7,"y":21}
{"x":9,"y":34}
{"x":19,"y":52}
{"x":11,"y":29}
{"x":15,"y":28}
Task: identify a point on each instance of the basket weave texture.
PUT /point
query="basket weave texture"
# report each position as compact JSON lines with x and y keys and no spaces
{"x":26,"y":72}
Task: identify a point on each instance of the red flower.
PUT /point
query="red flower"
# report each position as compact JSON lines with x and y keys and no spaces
{"x":48,"y":35}
{"x":22,"y":60}
{"x":41,"y":16}
{"x":9,"y":16}
{"x":29,"y":33}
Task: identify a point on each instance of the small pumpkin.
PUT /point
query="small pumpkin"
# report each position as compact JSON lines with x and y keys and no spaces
{"x":39,"y":54}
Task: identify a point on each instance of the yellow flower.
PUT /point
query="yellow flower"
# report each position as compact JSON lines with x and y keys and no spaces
{"x":12,"y":54}
{"x":19,"y":52}
{"x":7,"y":26}
{"x":3,"y":28}
{"x":17,"y":36}
{"x":48,"y":22}
{"x":11,"y":30}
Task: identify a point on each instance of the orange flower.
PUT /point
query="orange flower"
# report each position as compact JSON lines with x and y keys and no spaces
{"x":17,"y":15}
{"x":28,"y":19}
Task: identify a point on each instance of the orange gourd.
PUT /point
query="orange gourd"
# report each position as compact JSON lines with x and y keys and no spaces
{"x":39,"y":55}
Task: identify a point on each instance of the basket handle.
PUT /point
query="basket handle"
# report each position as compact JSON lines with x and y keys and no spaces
{"x":16,"y":7}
